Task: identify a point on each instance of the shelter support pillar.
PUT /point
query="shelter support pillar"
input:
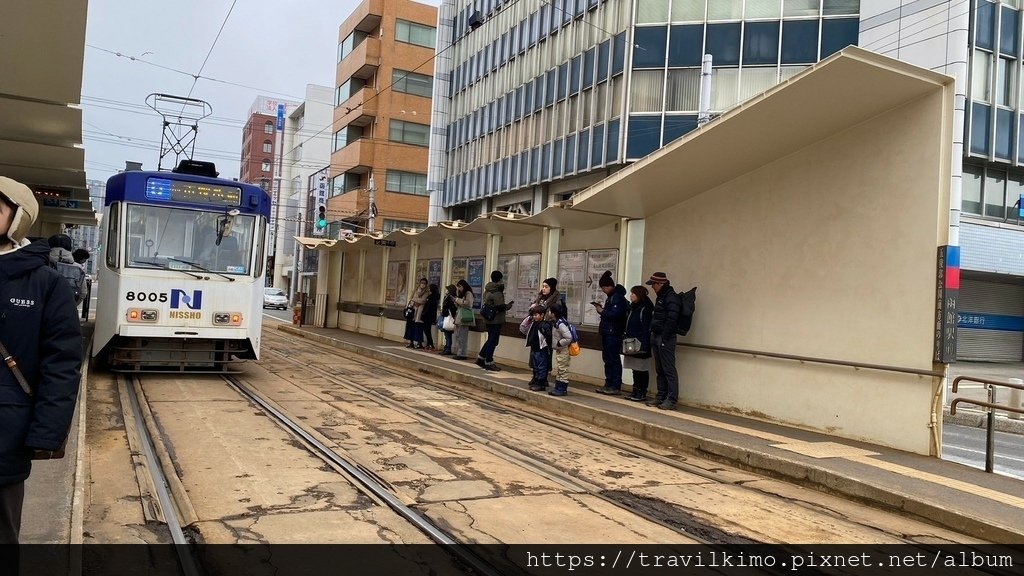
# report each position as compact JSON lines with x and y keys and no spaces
{"x":631,"y":252}
{"x":361,"y":275}
{"x":446,"y":263}
{"x":382,"y":291}
{"x":412,"y":283}
{"x":549,"y":253}
{"x":491,"y":255}
{"x":332,"y":288}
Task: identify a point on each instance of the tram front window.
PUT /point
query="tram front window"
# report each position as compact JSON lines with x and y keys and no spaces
{"x":177,"y":238}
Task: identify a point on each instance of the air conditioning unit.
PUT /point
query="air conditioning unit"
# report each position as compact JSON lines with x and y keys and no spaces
{"x":475,"y":20}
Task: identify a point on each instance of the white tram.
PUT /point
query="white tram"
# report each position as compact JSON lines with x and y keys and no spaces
{"x":181,"y":274}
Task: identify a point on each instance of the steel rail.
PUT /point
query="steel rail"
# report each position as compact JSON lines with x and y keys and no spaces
{"x":368,"y":482}
{"x":160,"y":484}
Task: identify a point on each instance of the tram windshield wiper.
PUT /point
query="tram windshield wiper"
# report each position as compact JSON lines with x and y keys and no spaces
{"x":165,"y":267}
{"x":193,"y":264}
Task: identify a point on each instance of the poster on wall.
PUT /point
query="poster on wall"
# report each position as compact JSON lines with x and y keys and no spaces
{"x":458,"y":270}
{"x":508,"y":265}
{"x":597,"y":262}
{"x":434,"y":273}
{"x":571,"y":282}
{"x":475,"y":277}
{"x":527,"y":284}
{"x":396,"y":292}
{"x":422,"y":266}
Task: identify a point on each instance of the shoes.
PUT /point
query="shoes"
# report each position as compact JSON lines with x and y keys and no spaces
{"x":656,"y":401}
{"x":608,"y":391}
{"x":538,"y":385}
{"x":558,"y":392}
{"x":480,"y":362}
{"x":492,"y":368}
{"x":636,"y":398}
{"x":667,"y":405}
{"x":459,"y":358}
{"x":431,"y":348}
{"x":409,"y":345}
{"x":418,"y":347}
{"x":445,"y":353}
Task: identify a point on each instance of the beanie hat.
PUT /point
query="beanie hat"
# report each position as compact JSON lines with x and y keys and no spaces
{"x":552,"y":282}
{"x":657,"y":278}
{"x":27,"y":208}
{"x":496,"y":276}
{"x":60,"y":241}
{"x":606,"y":279}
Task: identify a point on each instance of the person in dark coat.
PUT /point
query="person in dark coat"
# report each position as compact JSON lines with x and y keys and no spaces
{"x":494,"y":295}
{"x":663,"y":341}
{"x":449,"y":308}
{"x":537,"y":330}
{"x":613,"y":324}
{"x":547,"y":297}
{"x":428,"y":315}
{"x":39,"y":328}
{"x":638,"y":325}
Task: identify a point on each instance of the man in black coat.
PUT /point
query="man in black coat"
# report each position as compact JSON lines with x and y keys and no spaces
{"x":39,"y":329}
{"x":663,"y":341}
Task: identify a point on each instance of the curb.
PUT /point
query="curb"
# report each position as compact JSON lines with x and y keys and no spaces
{"x":977,"y":419}
{"x":776,"y":466}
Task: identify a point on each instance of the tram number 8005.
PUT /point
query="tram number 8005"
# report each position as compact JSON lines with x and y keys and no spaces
{"x":145,"y":296}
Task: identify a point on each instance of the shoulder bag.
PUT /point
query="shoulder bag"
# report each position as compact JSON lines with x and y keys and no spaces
{"x":631,"y":346}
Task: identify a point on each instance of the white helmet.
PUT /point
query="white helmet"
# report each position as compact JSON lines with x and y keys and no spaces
{"x":27,"y":207}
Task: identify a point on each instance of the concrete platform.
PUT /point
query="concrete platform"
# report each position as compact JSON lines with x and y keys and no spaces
{"x":955,"y":496}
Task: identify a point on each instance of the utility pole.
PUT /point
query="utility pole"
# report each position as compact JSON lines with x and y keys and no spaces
{"x":371,"y":210}
{"x":278,"y":244}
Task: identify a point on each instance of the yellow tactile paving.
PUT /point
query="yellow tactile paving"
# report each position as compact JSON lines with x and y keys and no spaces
{"x":825,"y":449}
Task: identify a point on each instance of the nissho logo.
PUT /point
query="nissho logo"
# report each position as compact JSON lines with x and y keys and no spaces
{"x":179,"y":297}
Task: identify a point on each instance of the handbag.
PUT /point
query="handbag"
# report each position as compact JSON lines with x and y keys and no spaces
{"x":631,"y":346}
{"x":448,"y":324}
{"x":466,"y":316}
{"x":410,"y":312}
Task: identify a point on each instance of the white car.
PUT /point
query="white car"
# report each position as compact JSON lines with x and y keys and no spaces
{"x":274,"y":298}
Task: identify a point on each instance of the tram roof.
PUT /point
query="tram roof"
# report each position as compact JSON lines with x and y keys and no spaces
{"x":133,"y":187}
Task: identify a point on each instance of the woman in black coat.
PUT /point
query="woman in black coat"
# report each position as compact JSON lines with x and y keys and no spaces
{"x":448,"y":309}
{"x":638,"y":325}
{"x":428,"y":315}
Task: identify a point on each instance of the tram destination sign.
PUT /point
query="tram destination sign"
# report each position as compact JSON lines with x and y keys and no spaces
{"x":388,"y":243}
{"x":194,"y":192}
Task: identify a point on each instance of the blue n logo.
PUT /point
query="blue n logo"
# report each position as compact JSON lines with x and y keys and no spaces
{"x":179,"y":297}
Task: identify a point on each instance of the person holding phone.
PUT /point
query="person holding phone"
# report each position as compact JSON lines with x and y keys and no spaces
{"x":613,"y":325}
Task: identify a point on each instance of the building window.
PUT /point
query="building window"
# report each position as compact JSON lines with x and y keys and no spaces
{"x":837,"y":34}
{"x":268,"y":128}
{"x":268,"y":146}
{"x":347,"y":90}
{"x":392,"y":225}
{"x":650,"y":46}
{"x":412,"y":83}
{"x":265,"y":166}
{"x":414,"y":33}
{"x":409,"y":133}
{"x":406,"y":183}
{"x":760,"y":43}
{"x":349,"y":44}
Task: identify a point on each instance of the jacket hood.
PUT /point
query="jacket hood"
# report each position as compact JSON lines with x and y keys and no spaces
{"x":58,"y":254}
{"x":25,"y":259}
{"x":494,"y":287}
{"x":620,"y":290}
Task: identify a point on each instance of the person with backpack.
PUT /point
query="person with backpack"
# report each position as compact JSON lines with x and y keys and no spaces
{"x":41,"y":334}
{"x":638,"y":325}
{"x":663,"y":341}
{"x":561,"y":336}
{"x":613,"y":324}
{"x":464,"y":317}
{"x":448,"y":308}
{"x":62,"y":260}
{"x":493,"y":312}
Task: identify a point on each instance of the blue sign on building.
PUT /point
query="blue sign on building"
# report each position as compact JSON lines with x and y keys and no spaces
{"x":280,"y":117}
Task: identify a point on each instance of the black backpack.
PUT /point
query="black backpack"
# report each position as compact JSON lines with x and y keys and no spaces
{"x":687,"y":307}
{"x":488,"y":312}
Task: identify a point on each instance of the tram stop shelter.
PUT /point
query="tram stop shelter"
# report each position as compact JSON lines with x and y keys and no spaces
{"x":809,"y":217}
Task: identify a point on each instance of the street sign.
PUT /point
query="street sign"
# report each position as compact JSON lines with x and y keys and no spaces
{"x":60,"y":203}
{"x":280,"y":117}
{"x":388,"y":243}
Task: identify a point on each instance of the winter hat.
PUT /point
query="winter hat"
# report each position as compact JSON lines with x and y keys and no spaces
{"x":552,"y":282}
{"x":27,"y":207}
{"x":450,"y":288}
{"x":606,"y":279}
{"x":657,"y":278}
{"x":496,"y":276}
{"x":60,"y":241}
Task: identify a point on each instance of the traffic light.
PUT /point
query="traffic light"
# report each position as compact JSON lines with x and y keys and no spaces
{"x":321,"y":217}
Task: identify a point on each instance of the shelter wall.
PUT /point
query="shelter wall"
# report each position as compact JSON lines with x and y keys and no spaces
{"x":831,"y":253}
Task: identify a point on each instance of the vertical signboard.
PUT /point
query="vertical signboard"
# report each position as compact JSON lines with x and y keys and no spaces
{"x":280,"y":117}
{"x":947,"y":291}
{"x":475,"y":277}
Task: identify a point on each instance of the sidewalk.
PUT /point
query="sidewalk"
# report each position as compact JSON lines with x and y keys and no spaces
{"x":971,"y":415}
{"x":958,"y":497}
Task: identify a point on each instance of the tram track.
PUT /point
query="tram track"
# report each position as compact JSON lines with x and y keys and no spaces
{"x":684,"y":523}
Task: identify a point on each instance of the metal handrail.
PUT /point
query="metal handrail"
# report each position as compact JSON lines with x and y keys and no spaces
{"x":857,"y":365}
{"x":990,"y":421}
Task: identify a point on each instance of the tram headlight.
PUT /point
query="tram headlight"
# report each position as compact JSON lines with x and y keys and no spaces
{"x":148,"y":315}
{"x":227,"y":318}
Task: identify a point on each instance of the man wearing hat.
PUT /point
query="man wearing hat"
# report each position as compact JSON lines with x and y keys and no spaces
{"x":40,"y":333}
{"x":663,"y":341}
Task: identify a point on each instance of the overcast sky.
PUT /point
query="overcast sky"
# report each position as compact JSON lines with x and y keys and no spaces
{"x":274,"y":48}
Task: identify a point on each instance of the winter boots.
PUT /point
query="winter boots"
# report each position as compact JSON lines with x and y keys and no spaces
{"x":561,"y":389}
{"x":538,"y":385}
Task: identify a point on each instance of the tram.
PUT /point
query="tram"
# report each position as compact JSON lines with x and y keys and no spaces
{"x":181,"y":275}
